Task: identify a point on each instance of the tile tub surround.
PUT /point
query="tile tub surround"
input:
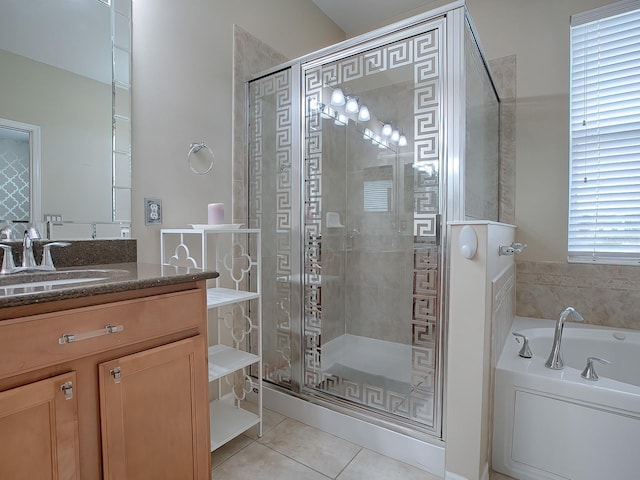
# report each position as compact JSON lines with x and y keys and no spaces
{"x":81,"y":252}
{"x":604,"y":294}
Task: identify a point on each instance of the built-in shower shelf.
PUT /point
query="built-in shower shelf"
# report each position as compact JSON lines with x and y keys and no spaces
{"x":219,"y":297}
{"x":224,"y":360}
{"x":228,"y":421}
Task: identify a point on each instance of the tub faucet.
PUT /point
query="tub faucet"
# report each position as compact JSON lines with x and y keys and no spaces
{"x":555,"y":357}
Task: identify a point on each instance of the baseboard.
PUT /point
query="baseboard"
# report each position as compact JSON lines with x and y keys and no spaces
{"x":453,"y":476}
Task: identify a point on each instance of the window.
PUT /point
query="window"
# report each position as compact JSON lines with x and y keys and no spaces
{"x":604,"y":179}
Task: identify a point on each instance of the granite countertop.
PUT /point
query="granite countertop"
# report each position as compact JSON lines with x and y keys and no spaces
{"x":110,"y":278}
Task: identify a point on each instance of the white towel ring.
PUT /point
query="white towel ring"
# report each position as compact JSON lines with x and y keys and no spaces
{"x":195,"y":148}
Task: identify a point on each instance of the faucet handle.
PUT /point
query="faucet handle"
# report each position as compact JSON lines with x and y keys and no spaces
{"x":525,"y":351}
{"x":47,"y":260}
{"x":589,"y":373}
{"x":8,"y":265}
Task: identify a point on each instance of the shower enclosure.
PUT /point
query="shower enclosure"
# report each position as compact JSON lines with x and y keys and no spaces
{"x":359,"y":155}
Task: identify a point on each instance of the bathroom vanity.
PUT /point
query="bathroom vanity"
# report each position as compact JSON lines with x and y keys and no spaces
{"x":107,"y":378}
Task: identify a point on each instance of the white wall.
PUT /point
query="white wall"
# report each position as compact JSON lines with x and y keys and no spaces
{"x":182,"y":77}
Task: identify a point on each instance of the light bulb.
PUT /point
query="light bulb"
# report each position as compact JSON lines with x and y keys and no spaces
{"x":386,"y":129}
{"x":395,"y":136}
{"x":352,"y":105}
{"x":364,"y":115}
{"x":337,"y":97}
{"x":402,"y":141}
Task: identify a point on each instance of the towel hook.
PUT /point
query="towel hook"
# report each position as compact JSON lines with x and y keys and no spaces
{"x":195,"y":148}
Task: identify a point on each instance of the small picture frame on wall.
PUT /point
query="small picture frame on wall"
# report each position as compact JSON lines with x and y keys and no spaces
{"x":152,"y":211}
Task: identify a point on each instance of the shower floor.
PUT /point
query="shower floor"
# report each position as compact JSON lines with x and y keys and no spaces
{"x":375,"y":373}
{"x":371,"y":359}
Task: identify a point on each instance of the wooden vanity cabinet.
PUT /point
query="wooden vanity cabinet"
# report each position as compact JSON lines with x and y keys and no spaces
{"x":150,"y":413}
{"x":39,"y":430}
{"x":139,"y":402}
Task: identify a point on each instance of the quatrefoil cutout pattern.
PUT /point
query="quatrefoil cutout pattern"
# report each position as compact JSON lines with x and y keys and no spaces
{"x":238,"y":263}
{"x":182,"y":257}
{"x":238,"y":323}
{"x":240,"y":389}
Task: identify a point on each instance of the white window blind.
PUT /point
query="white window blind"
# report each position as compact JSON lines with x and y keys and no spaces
{"x":377,"y":195}
{"x":604,"y":183}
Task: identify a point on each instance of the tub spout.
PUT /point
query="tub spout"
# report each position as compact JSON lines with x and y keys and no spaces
{"x":555,"y":357}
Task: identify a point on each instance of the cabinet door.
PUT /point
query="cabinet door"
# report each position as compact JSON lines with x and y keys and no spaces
{"x":39,"y":431}
{"x":154,"y":414}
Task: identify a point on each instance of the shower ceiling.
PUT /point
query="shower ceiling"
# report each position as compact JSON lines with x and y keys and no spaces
{"x":359,"y":16}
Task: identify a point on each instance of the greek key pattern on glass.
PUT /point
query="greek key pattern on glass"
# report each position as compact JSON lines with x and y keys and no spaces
{"x":421,"y":53}
{"x":270,"y":155}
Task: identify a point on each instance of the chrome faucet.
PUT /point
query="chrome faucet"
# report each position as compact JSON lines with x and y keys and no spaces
{"x":30,"y":234}
{"x":555,"y":357}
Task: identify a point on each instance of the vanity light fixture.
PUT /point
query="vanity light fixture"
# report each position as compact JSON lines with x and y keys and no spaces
{"x":328,"y":112}
{"x":402,"y":141}
{"x":352,"y":105}
{"x":395,"y":136}
{"x":363,"y":114}
{"x":337,"y":97}
{"x":341,"y":119}
{"x":386,"y":129}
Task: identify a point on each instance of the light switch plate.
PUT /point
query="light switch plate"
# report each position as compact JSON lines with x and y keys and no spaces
{"x":152,"y":211}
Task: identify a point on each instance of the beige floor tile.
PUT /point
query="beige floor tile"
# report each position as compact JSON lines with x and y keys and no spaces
{"x":261,"y":463}
{"x":269,"y":420}
{"x":316,"y":449}
{"x":373,"y":466}
{"x":229,"y":449}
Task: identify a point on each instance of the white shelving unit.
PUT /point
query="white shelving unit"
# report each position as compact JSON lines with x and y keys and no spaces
{"x":225,"y":251}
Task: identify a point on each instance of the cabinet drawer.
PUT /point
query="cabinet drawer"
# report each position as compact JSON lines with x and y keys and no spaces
{"x":39,"y":341}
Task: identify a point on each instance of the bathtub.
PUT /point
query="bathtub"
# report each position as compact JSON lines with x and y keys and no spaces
{"x":555,"y":425}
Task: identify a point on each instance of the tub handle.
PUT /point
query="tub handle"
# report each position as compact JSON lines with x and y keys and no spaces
{"x":589,"y":373}
{"x":525,"y":351}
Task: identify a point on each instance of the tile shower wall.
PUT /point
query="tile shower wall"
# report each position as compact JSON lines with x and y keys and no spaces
{"x":503,"y":72}
{"x":604,"y":294}
{"x":379,"y":245}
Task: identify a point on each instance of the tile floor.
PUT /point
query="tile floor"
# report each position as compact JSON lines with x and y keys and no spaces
{"x":290,"y":450}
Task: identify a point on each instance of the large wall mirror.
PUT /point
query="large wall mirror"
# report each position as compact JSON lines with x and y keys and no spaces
{"x":65,"y":90}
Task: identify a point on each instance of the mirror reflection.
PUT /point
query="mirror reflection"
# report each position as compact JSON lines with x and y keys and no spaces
{"x":56,"y":74}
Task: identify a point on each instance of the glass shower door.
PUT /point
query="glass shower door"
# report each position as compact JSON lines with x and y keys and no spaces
{"x":371,"y":319}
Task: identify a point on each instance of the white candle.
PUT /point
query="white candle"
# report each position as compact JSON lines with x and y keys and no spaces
{"x":215,"y":213}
